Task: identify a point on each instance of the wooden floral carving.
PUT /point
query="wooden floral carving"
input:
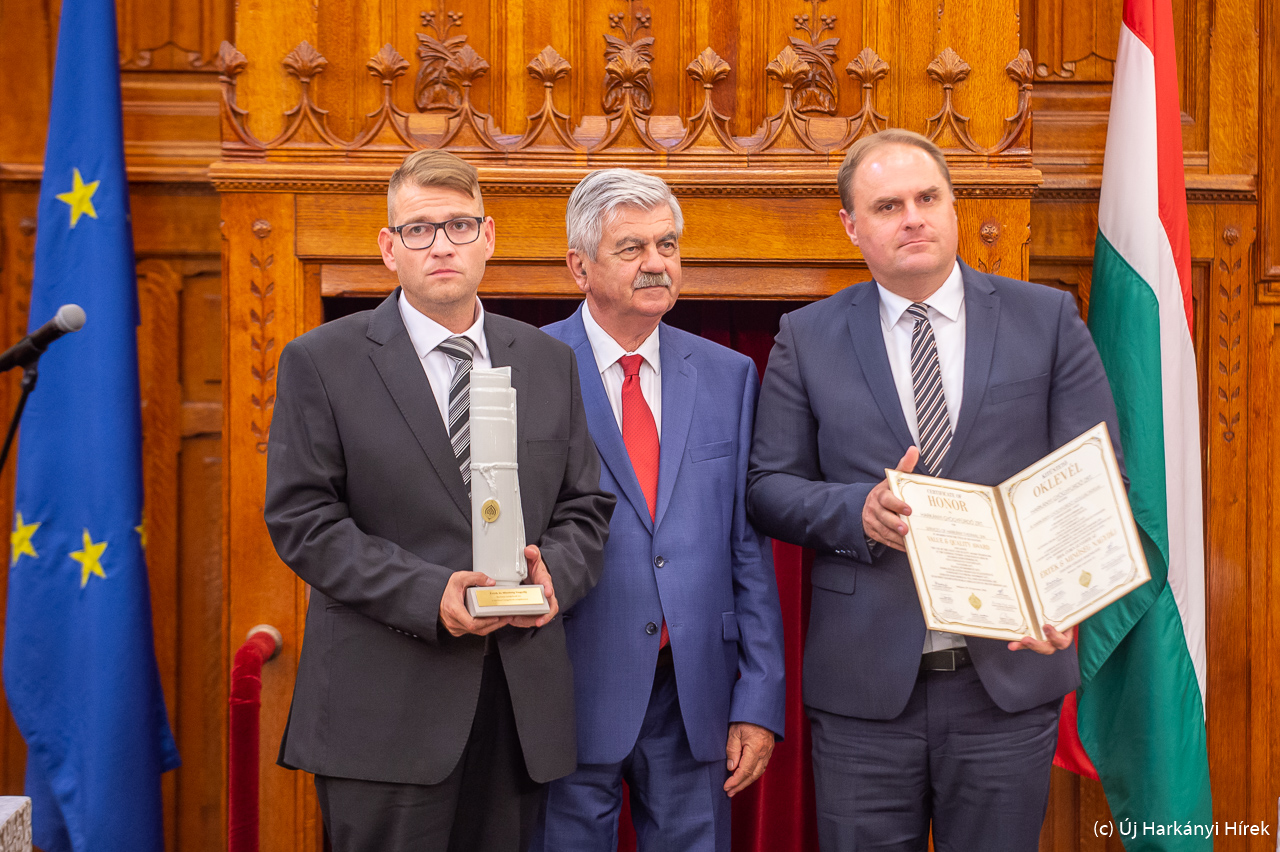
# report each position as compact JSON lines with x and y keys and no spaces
{"x":947,"y":126}
{"x":548,"y":127}
{"x":868,"y":69}
{"x":386,"y":65}
{"x":708,"y":129}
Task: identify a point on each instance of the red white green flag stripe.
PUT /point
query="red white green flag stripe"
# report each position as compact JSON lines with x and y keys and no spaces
{"x":1139,"y":712}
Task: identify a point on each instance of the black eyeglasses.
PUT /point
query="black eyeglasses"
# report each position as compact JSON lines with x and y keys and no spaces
{"x":421,"y":235}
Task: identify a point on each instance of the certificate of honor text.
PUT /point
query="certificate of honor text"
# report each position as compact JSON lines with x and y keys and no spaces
{"x":1053,"y":544}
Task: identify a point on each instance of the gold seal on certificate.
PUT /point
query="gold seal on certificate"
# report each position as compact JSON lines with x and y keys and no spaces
{"x":1053,"y":544}
{"x":497,"y":525}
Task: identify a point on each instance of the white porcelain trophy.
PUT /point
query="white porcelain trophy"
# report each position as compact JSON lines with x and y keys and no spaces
{"x":497,"y":524}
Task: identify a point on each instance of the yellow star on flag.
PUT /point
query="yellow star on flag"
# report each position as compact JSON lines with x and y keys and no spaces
{"x":141,"y":530}
{"x":80,"y":198}
{"x":88,"y":559}
{"x":20,"y":540}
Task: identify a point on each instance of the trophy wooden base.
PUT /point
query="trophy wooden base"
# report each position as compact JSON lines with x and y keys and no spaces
{"x":485,"y":601}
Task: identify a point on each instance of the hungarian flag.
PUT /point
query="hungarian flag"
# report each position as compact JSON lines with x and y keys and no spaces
{"x":1139,"y":712}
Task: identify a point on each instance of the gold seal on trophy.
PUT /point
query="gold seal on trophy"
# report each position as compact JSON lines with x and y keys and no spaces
{"x":490,"y":510}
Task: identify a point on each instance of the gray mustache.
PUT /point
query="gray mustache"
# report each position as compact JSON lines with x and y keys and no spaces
{"x":651,"y":279}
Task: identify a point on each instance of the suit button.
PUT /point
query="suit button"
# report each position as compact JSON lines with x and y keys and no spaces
{"x":659,"y":561}
{"x":651,"y":628}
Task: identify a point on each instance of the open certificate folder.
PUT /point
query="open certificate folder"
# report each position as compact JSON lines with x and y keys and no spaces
{"x":1051,"y":545}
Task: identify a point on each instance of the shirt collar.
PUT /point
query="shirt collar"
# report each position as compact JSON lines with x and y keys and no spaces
{"x":608,"y":351}
{"x":426,"y":334}
{"x":946,"y":300}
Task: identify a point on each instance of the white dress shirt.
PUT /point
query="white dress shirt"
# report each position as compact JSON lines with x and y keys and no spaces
{"x":426,"y":334}
{"x":608,"y":351}
{"x":946,"y":314}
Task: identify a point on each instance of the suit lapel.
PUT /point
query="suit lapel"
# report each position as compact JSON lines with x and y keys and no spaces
{"x":398,"y":365}
{"x":679,"y":387}
{"x":868,"y":345}
{"x":602,"y":423}
{"x":982,"y":316}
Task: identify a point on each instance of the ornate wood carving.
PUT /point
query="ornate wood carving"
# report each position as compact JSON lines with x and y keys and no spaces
{"x":817,"y":94}
{"x":787,"y":129}
{"x":786,"y":138}
{"x":182,"y":37}
{"x":389,"y":127}
{"x":304,"y":62}
{"x":230,"y":63}
{"x":628,"y":90}
{"x":1018,"y":126}
{"x":434,"y":87}
{"x":1075,"y":42}
{"x":262,"y":341}
{"x":632,"y":78}
{"x":868,"y":69}
{"x":947,"y":127}
{"x":1228,"y":377}
{"x":548,"y":127}
{"x":468,"y":129}
{"x":708,"y":130}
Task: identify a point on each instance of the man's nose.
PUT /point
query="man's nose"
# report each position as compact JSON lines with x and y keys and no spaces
{"x":441,"y":245}
{"x":911,"y":215}
{"x":653,"y":261}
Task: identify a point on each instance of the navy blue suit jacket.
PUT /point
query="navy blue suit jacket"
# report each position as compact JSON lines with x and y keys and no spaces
{"x":701,"y":564}
{"x":830,"y":422}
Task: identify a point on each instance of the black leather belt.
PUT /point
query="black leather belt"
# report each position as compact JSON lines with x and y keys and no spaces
{"x":945,"y":661}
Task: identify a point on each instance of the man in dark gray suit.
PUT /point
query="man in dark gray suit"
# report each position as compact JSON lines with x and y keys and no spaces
{"x":427,"y":728}
{"x":954,"y":373}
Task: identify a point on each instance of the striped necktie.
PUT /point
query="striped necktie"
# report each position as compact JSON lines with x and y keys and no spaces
{"x":461,"y":351}
{"x":931,"y":401}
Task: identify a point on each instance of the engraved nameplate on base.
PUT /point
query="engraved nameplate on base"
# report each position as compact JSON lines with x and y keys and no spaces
{"x":497,"y":523}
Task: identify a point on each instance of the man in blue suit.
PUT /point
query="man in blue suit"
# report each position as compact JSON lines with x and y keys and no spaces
{"x":677,"y":652}
{"x":954,"y":373}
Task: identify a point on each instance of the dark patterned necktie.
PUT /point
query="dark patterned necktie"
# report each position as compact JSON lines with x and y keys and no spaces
{"x":931,"y":401}
{"x":461,"y":351}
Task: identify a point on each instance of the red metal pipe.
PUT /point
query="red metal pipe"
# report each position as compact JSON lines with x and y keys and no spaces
{"x":242,"y":772}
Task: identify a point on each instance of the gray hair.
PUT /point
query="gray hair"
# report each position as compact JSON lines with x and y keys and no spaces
{"x":594,"y":204}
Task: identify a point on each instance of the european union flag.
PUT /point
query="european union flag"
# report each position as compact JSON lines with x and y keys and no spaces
{"x":79,"y":659}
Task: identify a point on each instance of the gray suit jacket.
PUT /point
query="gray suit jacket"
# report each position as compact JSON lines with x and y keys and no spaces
{"x":828,"y":424}
{"x":366,"y":503}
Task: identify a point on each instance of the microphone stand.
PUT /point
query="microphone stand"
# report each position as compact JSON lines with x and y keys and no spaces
{"x":29,"y":376}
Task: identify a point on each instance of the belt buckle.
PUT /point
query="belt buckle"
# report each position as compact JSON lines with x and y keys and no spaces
{"x":948,"y":654}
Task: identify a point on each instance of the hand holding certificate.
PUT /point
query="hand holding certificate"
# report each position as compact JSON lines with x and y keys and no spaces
{"x":1051,"y":545}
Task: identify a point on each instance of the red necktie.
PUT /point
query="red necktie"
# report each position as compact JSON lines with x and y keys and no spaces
{"x":640,"y":434}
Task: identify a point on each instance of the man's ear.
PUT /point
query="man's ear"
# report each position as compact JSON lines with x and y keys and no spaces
{"x":578,"y":269}
{"x":848,"y":222}
{"x":385,"y":242}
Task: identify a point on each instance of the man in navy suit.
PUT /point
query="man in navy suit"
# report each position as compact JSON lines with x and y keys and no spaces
{"x":677,"y":653}
{"x":954,"y":373}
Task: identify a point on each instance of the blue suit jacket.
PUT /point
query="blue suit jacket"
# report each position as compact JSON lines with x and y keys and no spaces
{"x":701,"y":563}
{"x":830,"y":422}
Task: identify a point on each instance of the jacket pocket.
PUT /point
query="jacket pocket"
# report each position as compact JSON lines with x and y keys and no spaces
{"x":835,"y":578}
{"x":706,"y":452}
{"x":1015,"y":389}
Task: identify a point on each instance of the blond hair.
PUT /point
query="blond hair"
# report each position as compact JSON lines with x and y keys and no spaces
{"x":862,"y":149}
{"x":434,"y":169}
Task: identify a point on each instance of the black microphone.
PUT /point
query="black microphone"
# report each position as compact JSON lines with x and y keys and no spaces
{"x":68,"y":318}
